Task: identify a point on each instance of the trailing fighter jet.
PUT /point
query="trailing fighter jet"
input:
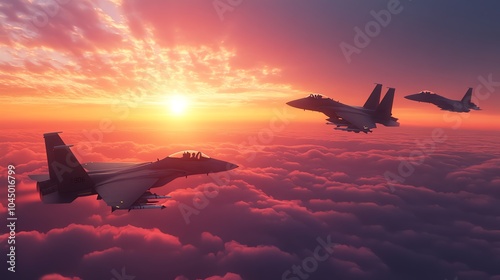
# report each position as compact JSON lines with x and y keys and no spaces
{"x":351,"y":118}
{"x":444,"y":103}
{"x":123,"y":186}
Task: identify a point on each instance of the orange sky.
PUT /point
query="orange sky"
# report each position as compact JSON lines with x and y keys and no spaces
{"x":124,"y":60}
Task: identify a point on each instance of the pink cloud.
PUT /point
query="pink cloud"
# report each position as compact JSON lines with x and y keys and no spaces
{"x":227,"y":276}
{"x":104,"y":253}
{"x":56,"y":276}
{"x":269,"y":215}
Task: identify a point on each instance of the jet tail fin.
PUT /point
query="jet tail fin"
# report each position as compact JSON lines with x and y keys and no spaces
{"x":466,"y":101}
{"x":467,"y":97}
{"x":374,"y":98}
{"x":384,"y":109}
{"x":52,"y":139}
{"x":64,"y":168}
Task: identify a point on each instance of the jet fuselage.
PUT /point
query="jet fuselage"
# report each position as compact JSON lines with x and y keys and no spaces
{"x":165,"y":170}
{"x":120,"y":185}
{"x":330,"y":107}
{"x":461,"y":106}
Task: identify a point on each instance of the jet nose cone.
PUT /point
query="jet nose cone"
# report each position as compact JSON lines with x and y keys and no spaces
{"x":296,"y":103}
{"x":231,"y":166}
{"x":415,"y":96}
{"x":291,"y":103}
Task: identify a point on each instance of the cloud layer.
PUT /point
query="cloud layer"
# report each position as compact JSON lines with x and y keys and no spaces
{"x":100,"y":52}
{"x":265,"y":220}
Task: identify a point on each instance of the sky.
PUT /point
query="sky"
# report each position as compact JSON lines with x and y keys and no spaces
{"x":139,"y":80}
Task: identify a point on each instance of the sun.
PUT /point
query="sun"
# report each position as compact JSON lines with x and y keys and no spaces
{"x":177,"y":104}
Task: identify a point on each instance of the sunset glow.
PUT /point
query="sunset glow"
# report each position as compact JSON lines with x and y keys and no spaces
{"x":177,"y":104}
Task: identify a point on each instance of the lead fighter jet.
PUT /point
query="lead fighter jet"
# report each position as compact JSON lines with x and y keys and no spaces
{"x":352,"y":118}
{"x":123,"y":186}
{"x":461,"y":106}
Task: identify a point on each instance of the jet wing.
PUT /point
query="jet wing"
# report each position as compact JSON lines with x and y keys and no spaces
{"x":357,"y":119}
{"x":96,"y":166}
{"x":124,"y":193}
{"x":444,"y":106}
{"x":125,"y":190}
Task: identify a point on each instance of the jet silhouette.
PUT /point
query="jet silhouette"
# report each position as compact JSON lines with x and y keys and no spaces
{"x":123,"y":186}
{"x":462,"y":106}
{"x":352,"y":118}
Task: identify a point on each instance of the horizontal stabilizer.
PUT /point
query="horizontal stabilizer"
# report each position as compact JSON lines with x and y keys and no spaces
{"x":39,"y":177}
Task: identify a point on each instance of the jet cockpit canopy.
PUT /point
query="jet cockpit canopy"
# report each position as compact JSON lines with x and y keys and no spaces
{"x":427,"y":92}
{"x":317,"y":96}
{"x":190,"y":155}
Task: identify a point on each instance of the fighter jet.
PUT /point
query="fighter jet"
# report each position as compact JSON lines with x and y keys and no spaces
{"x":123,"y":186}
{"x":444,"y":103}
{"x":352,"y":118}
